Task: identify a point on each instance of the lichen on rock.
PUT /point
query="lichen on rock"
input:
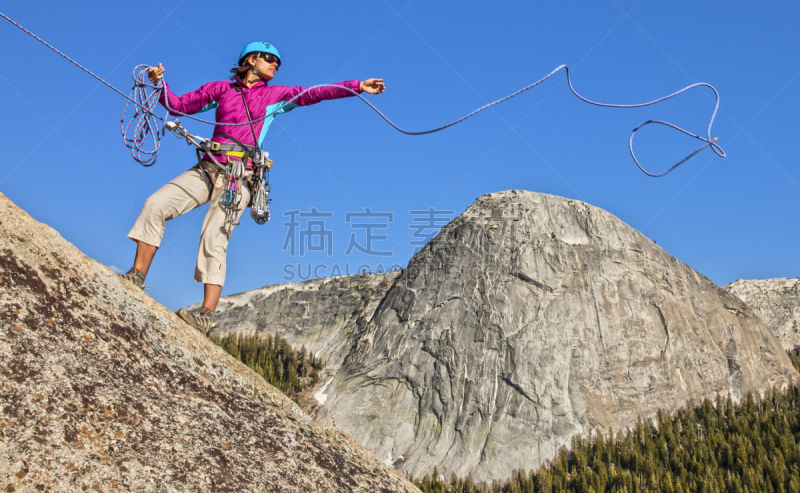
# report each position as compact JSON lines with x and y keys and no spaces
{"x":103,"y":388}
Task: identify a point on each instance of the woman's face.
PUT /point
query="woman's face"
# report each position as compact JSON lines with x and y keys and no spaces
{"x":266,"y":70}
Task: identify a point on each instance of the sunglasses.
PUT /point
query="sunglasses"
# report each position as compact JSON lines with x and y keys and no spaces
{"x":269,"y":58}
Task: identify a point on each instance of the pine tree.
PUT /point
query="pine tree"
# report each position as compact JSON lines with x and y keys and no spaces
{"x":274,"y":359}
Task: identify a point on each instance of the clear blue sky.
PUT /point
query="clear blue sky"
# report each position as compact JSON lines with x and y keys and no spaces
{"x":727,"y":218}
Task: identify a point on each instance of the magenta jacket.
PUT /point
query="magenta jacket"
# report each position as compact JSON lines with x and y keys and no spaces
{"x":261,"y":99}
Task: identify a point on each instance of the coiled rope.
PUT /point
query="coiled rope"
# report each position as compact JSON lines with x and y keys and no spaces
{"x":145,"y":96}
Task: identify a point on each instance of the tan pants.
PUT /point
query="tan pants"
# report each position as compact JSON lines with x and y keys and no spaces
{"x":182,"y":195}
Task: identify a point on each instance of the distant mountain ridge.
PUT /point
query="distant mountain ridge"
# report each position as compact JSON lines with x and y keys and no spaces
{"x":528,"y":320}
{"x":776,"y":302}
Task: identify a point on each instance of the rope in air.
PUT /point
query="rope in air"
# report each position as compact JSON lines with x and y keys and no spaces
{"x":145,"y":96}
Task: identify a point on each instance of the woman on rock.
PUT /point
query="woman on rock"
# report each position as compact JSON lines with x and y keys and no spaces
{"x":246,"y":97}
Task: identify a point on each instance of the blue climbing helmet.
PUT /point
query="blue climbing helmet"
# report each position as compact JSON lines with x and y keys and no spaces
{"x":259,"y":47}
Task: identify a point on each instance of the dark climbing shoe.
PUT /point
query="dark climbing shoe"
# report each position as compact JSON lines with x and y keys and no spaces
{"x":200,"y":320}
{"x":134,"y":276}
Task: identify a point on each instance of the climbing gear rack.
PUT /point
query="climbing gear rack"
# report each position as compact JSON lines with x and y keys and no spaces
{"x":252,"y":156}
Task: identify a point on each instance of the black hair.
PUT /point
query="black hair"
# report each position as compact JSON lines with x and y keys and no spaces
{"x":240,"y":71}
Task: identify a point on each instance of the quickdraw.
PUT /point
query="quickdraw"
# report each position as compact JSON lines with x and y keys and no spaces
{"x":232,"y":196}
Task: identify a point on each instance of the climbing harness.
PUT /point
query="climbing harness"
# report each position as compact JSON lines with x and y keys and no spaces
{"x":252,"y":157}
{"x":145,"y":96}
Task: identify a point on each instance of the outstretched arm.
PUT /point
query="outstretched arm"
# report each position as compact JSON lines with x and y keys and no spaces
{"x":371,"y":86}
{"x":189,"y":103}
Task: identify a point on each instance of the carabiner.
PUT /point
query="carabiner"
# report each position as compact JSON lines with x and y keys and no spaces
{"x":227,"y":198}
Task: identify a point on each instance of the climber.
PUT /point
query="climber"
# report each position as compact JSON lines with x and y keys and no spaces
{"x":246,"y":97}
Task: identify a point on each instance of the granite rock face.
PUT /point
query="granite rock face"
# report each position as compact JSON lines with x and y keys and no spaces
{"x":320,"y":314}
{"x":776,"y":302}
{"x":528,"y":320}
{"x":102,"y":388}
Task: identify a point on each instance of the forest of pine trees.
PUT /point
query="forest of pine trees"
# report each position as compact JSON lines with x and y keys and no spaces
{"x":273,"y":358}
{"x":721,"y":447}
{"x":746,"y":448}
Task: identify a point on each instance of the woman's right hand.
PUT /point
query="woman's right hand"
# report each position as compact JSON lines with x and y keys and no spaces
{"x":155,"y":73}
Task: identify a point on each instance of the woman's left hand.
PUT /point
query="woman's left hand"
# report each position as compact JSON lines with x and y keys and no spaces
{"x":373,"y":86}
